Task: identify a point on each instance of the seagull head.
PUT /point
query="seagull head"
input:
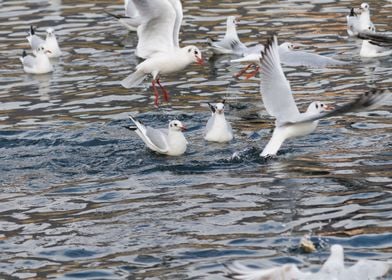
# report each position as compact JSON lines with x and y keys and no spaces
{"x":220,"y":108}
{"x":232,"y":21}
{"x":370,"y":28}
{"x":318,"y":107}
{"x":365,"y":7}
{"x":49,"y":31}
{"x":176,"y":126}
{"x":195,"y":54}
{"x":287,"y":46}
{"x":41,"y":49}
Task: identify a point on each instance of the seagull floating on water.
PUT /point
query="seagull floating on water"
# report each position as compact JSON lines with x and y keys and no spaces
{"x":169,"y":142}
{"x":332,"y":269}
{"x":279,"y":102}
{"x":50,"y":43}
{"x":38,"y":64}
{"x":359,"y":23}
{"x":218,"y":129}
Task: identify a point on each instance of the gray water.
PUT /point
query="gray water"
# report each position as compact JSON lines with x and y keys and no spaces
{"x":82,"y":198}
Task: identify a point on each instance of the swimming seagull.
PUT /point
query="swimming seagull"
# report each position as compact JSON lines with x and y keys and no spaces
{"x":231,"y":44}
{"x":279,"y":102}
{"x":163,"y":63}
{"x":372,"y":47}
{"x":169,"y":142}
{"x":38,"y":64}
{"x":218,"y":129}
{"x":332,"y":269}
{"x":50,"y":43}
{"x":359,"y":23}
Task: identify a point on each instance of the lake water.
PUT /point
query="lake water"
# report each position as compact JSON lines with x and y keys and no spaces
{"x":82,"y":198}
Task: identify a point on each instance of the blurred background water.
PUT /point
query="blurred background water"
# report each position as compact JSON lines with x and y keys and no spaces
{"x":81,"y":197}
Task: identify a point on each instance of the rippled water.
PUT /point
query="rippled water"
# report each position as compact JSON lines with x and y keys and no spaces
{"x":81,"y":197}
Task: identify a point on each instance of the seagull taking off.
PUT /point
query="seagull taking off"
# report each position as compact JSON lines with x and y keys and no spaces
{"x":279,"y":102}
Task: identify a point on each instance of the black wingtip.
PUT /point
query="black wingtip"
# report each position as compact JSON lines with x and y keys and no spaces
{"x":352,"y":13}
{"x":212,"y":108}
{"x":24,"y":53}
{"x":113,"y":15}
{"x":131,"y":128}
{"x":223,"y":101}
{"x":32,"y":32}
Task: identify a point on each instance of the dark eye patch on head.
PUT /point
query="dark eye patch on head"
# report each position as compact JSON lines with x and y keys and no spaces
{"x":189,"y":50}
{"x":316,"y":106}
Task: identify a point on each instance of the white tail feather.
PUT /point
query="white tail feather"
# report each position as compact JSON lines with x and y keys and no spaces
{"x":133,"y":79}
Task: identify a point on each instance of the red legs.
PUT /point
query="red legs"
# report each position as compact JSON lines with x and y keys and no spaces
{"x":239,"y":74}
{"x":165,"y":93}
{"x":253,"y":73}
{"x":249,"y":75}
{"x":156,"y":93}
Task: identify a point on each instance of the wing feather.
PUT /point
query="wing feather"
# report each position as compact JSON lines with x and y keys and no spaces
{"x":275,"y":89}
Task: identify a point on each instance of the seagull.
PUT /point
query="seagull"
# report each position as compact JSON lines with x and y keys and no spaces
{"x":291,"y":57}
{"x":169,"y":142}
{"x":163,"y":63}
{"x":126,"y":19}
{"x":381,"y":39}
{"x":279,"y":102}
{"x":359,"y":23}
{"x":372,"y":47}
{"x":50,"y":43}
{"x":38,"y":64}
{"x":231,"y":44}
{"x":332,"y":269}
{"x":217,"y":128}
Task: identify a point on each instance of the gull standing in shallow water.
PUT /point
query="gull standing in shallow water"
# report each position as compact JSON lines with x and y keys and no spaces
{"x":279,"y":102}
{"x":332,"y":269}
{"x":38,"y":64}
{"x":217,"y":128}
{"x":158,"y":31}
{"x":169,"y":142}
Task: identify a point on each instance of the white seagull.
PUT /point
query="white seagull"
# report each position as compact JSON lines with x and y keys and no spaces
{"x":359,"y":23}
{"x":169,"y":142}
{"x":38,"y":64}
{"x":50,"y":43}
{"x":163,"y":63}
{"x":374,"y":45}
{"x":279,"y":102}
{"x":231,"y":44}
{"x":218,"y":129}
{"x":332,"y":269}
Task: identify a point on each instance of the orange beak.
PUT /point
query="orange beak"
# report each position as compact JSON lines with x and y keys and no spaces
{"x":329,"y":107}
{"x":183,"y":128}
{"x":48,"y":51}
{"x":199,"y":61}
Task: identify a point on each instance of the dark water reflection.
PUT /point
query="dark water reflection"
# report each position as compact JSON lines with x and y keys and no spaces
{"x":82,"y":198}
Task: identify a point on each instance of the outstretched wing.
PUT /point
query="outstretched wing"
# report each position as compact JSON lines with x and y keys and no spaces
{"x":274,"y":88}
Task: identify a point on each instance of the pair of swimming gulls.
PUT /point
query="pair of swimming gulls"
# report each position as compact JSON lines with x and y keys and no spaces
{"x":279,"y":102}
{"x":42,"y":50}
{"x":172,"y":142}
{"x":332,"y":269}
